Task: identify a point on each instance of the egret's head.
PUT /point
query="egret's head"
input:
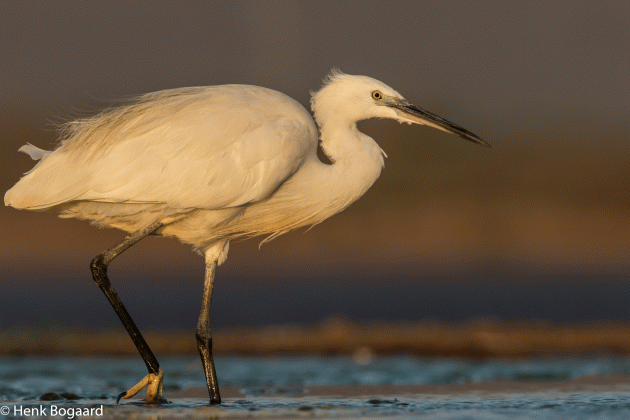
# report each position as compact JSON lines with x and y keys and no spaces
{"x":347,"y":99}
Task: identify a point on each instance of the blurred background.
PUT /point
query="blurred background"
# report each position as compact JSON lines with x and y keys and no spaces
{"x":535,"y":228}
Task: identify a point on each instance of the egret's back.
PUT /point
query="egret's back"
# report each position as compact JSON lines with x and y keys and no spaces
{"x":172,"y":151}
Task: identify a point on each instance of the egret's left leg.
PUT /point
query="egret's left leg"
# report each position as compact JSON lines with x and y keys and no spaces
{"x":153,"y":381}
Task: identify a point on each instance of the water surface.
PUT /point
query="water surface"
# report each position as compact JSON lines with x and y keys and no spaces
{"x":296,"y":387}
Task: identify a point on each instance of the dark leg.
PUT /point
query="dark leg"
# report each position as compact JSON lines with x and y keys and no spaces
{"x":204,"y":337}
{"x":99,"y":272}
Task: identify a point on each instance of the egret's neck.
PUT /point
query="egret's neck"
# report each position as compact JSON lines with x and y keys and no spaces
{"x":317,"y":190}
{"x":357,"y":160}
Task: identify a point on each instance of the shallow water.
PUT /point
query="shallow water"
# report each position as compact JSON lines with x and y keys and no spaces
{"x":275,"y":387}
{"x":530,"y":406}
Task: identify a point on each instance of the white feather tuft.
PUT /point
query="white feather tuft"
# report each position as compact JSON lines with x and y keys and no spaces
{"x":34,"y":152}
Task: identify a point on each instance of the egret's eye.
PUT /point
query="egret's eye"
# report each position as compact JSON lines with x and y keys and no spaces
{"x":377,"y":95}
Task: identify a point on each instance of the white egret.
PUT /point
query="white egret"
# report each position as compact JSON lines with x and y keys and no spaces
{"x":210,"y":164}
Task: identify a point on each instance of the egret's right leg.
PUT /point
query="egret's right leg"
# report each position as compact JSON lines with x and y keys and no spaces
{"x":204,"y":336}
{"x":153,"y":380}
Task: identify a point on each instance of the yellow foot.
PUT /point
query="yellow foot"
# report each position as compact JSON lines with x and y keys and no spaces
{"x":153,"y":383}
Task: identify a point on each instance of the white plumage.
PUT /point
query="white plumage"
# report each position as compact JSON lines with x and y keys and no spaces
{"x":215,"y":162}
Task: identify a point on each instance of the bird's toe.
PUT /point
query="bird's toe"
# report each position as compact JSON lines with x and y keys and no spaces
{"x":154,"y":384}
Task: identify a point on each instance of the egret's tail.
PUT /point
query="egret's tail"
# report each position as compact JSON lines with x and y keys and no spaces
{"x":16,"y":196}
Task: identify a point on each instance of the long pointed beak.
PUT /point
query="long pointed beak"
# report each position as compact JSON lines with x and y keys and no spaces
{"x":409,"y":112}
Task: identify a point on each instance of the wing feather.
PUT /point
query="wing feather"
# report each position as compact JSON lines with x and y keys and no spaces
{"x":210,"y":148}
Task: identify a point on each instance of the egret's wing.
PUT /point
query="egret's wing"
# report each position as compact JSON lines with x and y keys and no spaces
{"x":208,"y":148}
